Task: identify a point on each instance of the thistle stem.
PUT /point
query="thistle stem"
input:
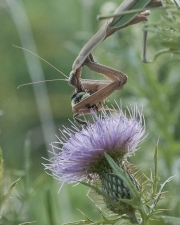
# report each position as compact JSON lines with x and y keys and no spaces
{"x":132,"y":217}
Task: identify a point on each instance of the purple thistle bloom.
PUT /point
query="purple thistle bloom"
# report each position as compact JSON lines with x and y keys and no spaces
{"x":81,"y":152}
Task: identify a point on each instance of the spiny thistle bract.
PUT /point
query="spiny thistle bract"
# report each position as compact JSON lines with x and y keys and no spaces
{"x":81,"y":155}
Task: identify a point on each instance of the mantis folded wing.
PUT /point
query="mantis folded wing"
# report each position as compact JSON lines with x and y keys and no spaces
{"x":91,"y":93}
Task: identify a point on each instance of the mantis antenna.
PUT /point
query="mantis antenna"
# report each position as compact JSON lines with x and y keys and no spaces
{"x":41,"y":81}
{"x":45,"y":62}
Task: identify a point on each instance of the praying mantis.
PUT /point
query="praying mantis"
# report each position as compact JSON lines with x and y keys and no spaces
{"x":90,"y":94}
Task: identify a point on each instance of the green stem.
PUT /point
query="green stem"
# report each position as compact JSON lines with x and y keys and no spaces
{"x":127,"y":12}
{"x":132,"y":217}
{"x":156,"y":177}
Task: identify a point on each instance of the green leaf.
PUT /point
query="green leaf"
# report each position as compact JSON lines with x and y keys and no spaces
{"x":26,"y":223}
{"x":49,"y":207}
{"x":1,"y":164}
{"x":173,"y":45}
{"x":79,"y":222}
{"x":123,"y":175}
{"x":127,"y":18}
{"x":161,"y":52}
{"x":11,"y":187}
{"x":156,"y":177}
{"x":171,"y":220}
{"x":158,"y":195}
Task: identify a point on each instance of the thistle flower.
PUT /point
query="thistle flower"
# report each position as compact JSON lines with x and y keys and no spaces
{"x":81,"y":155}
{"x":80,"y":152}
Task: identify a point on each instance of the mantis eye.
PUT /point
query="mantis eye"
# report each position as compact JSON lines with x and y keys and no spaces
{"x":78,"y":97}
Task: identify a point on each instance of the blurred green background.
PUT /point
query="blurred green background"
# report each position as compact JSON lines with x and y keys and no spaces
{"x":31,"y":115}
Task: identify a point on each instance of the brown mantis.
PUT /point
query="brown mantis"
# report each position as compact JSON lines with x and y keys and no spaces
{"x":90,"y":94}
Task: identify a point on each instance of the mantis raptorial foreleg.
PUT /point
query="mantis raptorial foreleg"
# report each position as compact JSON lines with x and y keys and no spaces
{"x":100,"y":90}
{"x":90,"y":93}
